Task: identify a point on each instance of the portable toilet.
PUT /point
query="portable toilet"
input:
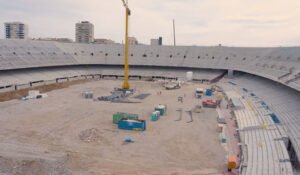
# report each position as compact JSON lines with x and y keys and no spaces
{"x":162,"y":109}
{"x":155,"y":115}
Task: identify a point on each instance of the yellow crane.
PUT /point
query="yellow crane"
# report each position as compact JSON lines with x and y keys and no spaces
{"x":126,"y":85}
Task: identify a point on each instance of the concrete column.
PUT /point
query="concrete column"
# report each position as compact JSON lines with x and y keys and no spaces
{"x":230,"y":73}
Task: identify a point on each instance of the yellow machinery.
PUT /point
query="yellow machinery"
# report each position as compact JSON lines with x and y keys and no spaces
{"x":126,"y":85}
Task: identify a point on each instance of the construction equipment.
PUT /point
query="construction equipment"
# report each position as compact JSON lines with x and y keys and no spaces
{"x":180,"y":114}
{"x":172,"y":86}
{"x":232,"y":162}
{"x":180,"y":99}
{"x":33,"y":94}
{"x":126,"y":85}
{"x":191,"y":116}
{"x":118,"y":95}
{"x":199,"y":92}
{"x":197,"y":109}
{"x":88,"y":95}
{"x":209,"y":104}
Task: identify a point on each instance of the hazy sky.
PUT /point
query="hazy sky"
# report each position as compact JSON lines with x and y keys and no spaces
{"x":198,"y":22}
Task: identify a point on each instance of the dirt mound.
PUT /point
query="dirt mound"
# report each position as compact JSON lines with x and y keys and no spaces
{"x":6,"y":96}
{"x":90,"y":135}
{"x":29,"y":167}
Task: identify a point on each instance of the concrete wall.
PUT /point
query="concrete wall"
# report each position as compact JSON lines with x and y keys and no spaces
{"x":61,"y":80}
{"x":23,"y":86}
{"x":50,"y":82}
{"x":38,"y":84}
{"x":7,"y":89}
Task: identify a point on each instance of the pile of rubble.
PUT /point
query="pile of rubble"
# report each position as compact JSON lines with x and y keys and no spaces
{"x":90,"y":135}
{"x":36,"y":166}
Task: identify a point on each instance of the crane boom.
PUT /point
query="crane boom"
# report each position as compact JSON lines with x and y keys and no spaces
{"x":124,"y":3}
{"x":126,"y":6}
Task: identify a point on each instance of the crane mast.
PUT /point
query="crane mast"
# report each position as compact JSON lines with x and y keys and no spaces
{"x":126,"y":85}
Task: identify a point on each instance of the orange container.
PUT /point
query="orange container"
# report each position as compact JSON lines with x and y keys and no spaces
{"x":232,"y":162}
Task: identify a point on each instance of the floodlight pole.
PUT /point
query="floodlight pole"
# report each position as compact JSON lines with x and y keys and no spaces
{"x":174,"y":34}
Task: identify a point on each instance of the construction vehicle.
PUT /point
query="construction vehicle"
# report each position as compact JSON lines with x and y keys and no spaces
{"x":199,"y":92}
{"x":209,"y":104}
{"x":172,"y":86}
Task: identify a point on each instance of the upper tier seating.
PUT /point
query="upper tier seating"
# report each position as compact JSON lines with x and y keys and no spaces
{"x":279,"y":64}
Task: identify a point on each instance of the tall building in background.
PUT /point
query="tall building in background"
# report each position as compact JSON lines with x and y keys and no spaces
{"x":84,"y":32}
{"x":156,"y":42}
{"x":16,"y":30}
{"x":160,"y":41}
{"x":132,"y":41}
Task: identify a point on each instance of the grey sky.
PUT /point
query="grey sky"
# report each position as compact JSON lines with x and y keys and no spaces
{"x":199,"y":22}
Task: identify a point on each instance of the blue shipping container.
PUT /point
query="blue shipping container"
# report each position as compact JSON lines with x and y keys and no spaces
{"x":135,"y":125}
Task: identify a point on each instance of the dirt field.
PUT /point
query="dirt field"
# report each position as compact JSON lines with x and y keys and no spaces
{"x":67,"y":134}
{"x":6,"y":96}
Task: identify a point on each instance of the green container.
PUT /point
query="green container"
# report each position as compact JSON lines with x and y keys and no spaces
{"x":119,"y":116}
{"x":162,"y":109}
{"x":155,"y":116}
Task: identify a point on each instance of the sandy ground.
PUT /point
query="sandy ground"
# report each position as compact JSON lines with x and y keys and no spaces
{"x":7,"y":96}
{"x":43,"y":136}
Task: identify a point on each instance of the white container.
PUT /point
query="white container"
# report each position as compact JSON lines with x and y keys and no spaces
{"x":189,"y":76}
{"x":33,"y":94}
{"x":88,"y":95}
